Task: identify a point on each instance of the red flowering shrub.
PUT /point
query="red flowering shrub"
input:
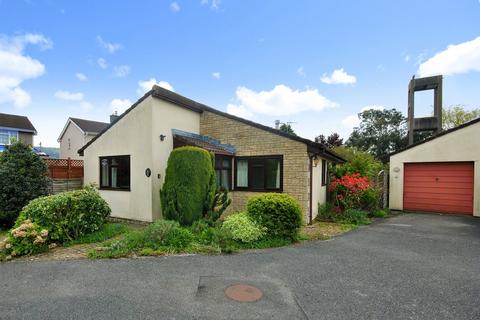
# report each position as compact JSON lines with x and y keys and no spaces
{"x":348,"y":190}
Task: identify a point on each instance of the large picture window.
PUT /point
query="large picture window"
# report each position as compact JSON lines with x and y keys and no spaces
{"x":6,"y":136}
{"x":115,"y":173}
{"x":263,"y":173}
{"x":223,"y":172}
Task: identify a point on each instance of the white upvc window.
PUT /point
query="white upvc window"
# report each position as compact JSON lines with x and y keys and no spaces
{"x":6,"y":136}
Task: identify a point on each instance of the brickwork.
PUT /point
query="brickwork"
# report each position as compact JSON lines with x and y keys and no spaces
{"x":252,"y":141}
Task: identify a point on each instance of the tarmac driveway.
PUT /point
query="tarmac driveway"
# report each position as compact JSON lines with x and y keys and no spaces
{"x":407,"y":267}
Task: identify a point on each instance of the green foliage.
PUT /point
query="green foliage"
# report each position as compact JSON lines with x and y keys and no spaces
{"x":68,"y":215}
{"x":189,"y":189}
{"x":287,"y":128}
{"x":279,"y":213}
{"x":357,"y":162}
{"x":164,"y":233}
{"x":328,"y":212}
{"x":332,"y":141}
{"x":370,"y":199}
{"x":380,"y":132}
{"x":243,"y":229}
{"x":23,"y":177}
{"x":221,"y":201}
{"x":354,"y":216}
{"x":25,"y":238}
{"x":457,"y":115}
{"x":380,"y":213}
{"x":107,"y":231}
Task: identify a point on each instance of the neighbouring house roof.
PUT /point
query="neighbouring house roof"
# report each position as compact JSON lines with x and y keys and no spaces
{"x":21,"y":123}
{"x":86,"y":126}
{"x":466,"y":124}
{"x":181,"y":138}
{"x":179,"y":100}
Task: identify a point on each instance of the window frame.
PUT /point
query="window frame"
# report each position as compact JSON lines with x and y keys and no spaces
{"x":219,"y":159}
{"x":11,"y":134}
{"x":324,"y":172}
{"x":109,"y":158}
{"x":250,"y":172}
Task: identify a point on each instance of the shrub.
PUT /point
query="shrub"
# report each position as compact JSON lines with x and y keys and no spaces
{"x":243,"y":228}
{"x":68,"y":215}
{"x":279,"y":213}
{"x":189,"y":188}
{"x":380,"y":213}
{"x":162,"y":233}
{"x":359,"y":162}
{"x":23,"y":177}
{"x":370,"y":199}
{"x":326,"y":212}
{"x":348,"y":190}
{"x":26,"y":237}
{"x":221,"y":201}
{"x":354,"y":216}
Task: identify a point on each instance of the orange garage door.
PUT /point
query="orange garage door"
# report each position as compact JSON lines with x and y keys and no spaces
{"x":445,"y":187}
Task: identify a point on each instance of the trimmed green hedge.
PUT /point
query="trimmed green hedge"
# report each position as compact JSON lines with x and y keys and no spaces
{"x":279,"y":213}
{"x":23,"y":177}
{"x":68,"y":215}
{"x":190,"y":185}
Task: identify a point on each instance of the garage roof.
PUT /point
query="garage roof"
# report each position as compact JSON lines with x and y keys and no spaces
{"x":466,"y":124}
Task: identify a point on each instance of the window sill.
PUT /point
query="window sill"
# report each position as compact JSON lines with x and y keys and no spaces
{"x":114,"y":189}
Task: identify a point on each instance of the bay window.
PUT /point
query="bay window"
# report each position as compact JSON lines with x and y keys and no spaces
{"x":115,"y":173}
{"x":262,"y":173}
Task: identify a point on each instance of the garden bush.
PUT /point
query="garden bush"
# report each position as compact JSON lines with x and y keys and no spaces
{"x":68,"y":215}
{"x":189,"y":189}
{"x":243,"y":228}
{"x":348,"y":190}
{"x":25,"y":238}
{"x":354,"y":216}
{"x":279,"y":213}
{"x":359,"y":162}
{"x":23,"y":177}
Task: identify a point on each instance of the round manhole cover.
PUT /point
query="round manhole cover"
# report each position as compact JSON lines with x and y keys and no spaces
{"x":243,"y":293}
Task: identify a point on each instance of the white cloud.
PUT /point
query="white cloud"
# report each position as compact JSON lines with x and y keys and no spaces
{"x":239,"y":111}
{"x":352,"y":120}
{"x":281,"y":100}
{"x":109,"y":46}
{"x":338,"y":76}
{"x":102,"y":63}
{"x":81,"y":77}
{"x":174,"y":6}
{"x":407,"y":58}
{"x":120,"y":105}
{"x":69,"y":96}
{"x":457,"y":58}
{"x":216,"y":75}
{"x":301,"y":72}
{"x":146,"y":85}
{"x":214,"y":4}
{"x":121,"y":71}
{"x":16,"y":67}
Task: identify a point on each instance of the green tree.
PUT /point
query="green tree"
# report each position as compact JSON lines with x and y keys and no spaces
{"x":380,"y":132}
{"x":23,"y":177}
{"x":457,"y":115}
{"x":285,"y":127}
{"x":189,"y":189}
{"x":332,"y":141}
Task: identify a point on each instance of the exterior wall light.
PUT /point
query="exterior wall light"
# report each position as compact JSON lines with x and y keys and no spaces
{"x":162,"y":137}
{"x":315,"y":161}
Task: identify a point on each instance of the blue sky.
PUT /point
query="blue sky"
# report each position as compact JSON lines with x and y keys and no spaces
{"x":314,"y":63}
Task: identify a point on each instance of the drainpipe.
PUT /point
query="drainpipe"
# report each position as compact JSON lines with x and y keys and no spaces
{"x":311,"y":189}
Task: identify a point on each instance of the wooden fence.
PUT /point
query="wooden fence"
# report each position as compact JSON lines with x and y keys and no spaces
{"x":66,"y":174}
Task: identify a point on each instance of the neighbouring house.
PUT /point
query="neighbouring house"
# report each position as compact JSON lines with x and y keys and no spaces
{"x":440,"y":174}
{"x":127,"y":160}
{"x":17,"y":128}
{"x":76,"y":133}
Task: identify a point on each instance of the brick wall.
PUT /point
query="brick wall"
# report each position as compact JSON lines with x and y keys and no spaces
{"x":252,"y":141}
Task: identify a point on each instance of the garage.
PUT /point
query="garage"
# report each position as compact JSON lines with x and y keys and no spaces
{"x":439,"y":187}
{"x":440,"y":174}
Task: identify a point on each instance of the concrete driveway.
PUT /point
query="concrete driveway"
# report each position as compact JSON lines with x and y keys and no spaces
{"x":407,"y":267}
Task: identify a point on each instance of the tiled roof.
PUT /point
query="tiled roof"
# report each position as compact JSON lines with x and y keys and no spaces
{"x":16,"y":122}
{"x":204,"y":142}
{"x":90,"y":126}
